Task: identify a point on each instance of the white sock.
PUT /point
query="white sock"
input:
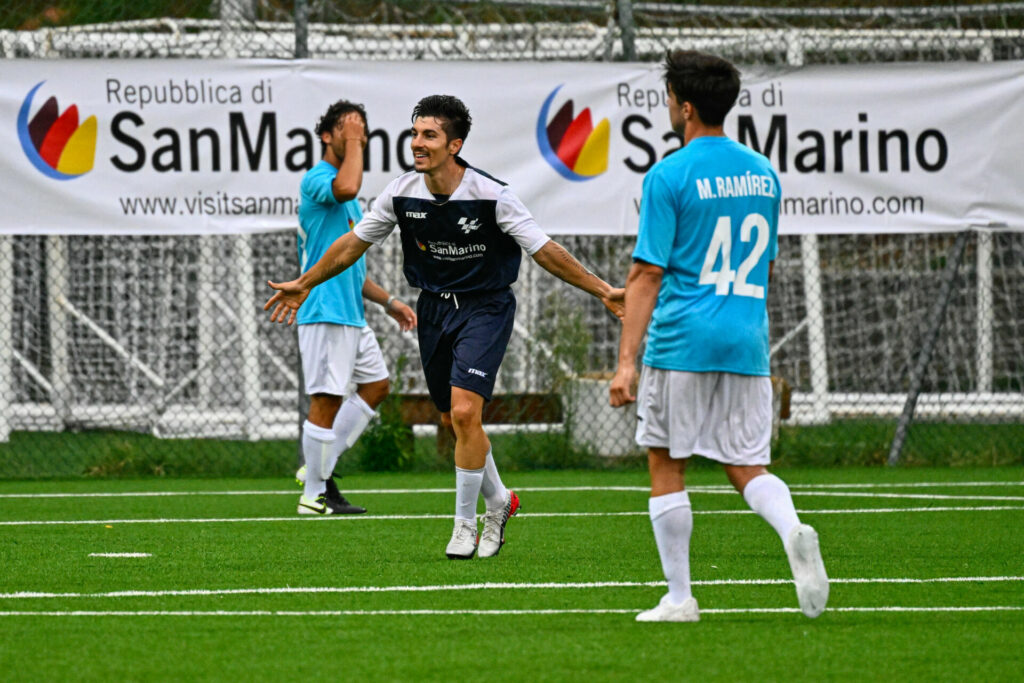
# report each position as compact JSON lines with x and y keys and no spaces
{"x":349,"y":424}
{"x":493,"y":490}
{"x":768,"y":496}
{"x":317,"y":443}
{"x":467,"y":490}
{"x":672,"y":519}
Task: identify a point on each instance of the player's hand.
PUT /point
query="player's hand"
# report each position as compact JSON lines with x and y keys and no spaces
{"x":403,"y":315}
{"x":286,"y":301}
{"x":615,"y":301}
{"x":623,"y":388}
{"x":353,"y":128}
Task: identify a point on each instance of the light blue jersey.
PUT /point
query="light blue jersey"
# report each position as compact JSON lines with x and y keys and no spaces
{"x":323,"y":219}
{"x":709,"y":216}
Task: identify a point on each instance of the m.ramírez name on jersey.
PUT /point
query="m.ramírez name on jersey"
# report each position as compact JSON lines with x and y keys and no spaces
{"x":747,"y":185}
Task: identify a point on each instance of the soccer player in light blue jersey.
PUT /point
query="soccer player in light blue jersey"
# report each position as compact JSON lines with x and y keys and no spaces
{"x":336,"y":345}
{"x":707,"y":239}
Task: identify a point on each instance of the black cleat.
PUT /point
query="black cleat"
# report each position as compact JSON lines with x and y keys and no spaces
{"x":338,"y":503}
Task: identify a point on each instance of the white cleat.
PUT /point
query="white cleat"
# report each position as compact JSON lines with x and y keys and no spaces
{"x":463,"y":543}
{"x":493,"y":535}
{"x":808,"y":570}
{"x":666,"y":610}
{"x":300,"y":475}
{"x":314,"y":507}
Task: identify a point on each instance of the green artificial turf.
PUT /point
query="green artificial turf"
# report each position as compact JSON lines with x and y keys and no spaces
{"x":374,"y":598}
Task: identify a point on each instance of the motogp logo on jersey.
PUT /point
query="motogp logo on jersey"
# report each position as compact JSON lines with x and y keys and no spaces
{"x":468,"y":225}
{"x":574,"y":147}
{"x":56,"y":144}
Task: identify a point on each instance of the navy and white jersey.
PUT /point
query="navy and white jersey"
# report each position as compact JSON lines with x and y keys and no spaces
{"x":471,"y":242}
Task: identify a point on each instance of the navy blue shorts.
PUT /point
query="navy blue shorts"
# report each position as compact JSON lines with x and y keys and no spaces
{"x":462,"y":341}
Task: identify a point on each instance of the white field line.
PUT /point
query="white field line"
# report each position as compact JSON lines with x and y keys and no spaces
{"x":909,"y":496}
{"x":362,"y":492}
{"x":296,"y":590}
{"x":909,"y":485}
{"x":483,"y":612}
{"x":370,"y":518}
{"x":120,"y":555}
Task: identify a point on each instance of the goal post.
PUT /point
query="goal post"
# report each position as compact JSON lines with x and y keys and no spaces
{"x":57,"y":291}
{"x":810,"y":262}
{"x":983,"y":351}
{"x":242,"y":267}
{"x":6,"y":335}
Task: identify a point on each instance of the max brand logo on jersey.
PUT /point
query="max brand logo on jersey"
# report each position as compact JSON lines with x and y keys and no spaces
{"x":468,"y":225}
{"x":415,"y":214}
{"x":474,"y":371}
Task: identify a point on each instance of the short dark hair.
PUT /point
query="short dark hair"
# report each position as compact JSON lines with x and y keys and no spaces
{"x":450,"y":110}
{"x":334,"y":113}
{"x":711,"y":84}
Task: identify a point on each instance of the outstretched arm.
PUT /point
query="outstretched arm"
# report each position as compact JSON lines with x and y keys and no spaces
{"x":642,"y":286}
{"x":553,"y":258}
{"x":403,"y":315}
{"x":345,"y":251}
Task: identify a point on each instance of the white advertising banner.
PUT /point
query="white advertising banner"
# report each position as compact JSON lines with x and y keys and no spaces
{"x":189,"y":147}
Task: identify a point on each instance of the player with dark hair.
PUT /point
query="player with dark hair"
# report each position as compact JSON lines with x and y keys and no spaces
{"x":335,"y":343}
{"x":707,"y":239}
{"x":337,"y":114}
{"x":463,"y":233}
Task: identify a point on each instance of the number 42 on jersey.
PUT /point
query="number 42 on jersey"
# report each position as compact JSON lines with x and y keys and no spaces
{"x":721,"y":244}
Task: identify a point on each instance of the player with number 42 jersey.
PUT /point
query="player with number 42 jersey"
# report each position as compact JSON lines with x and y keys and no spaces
{"x":711,"y":314}
{"x":698,"y":286}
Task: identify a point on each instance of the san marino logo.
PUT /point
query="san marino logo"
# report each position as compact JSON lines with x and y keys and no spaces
{"x":573,"y":146}
{"x":56,"y":144}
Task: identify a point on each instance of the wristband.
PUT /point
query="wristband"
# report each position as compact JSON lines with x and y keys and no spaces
{"x":387,"y":304}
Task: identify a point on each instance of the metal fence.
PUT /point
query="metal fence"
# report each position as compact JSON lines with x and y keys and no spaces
{"x":166,"y":335}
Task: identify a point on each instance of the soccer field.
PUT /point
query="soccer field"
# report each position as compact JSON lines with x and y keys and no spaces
{"x":220,"y":579}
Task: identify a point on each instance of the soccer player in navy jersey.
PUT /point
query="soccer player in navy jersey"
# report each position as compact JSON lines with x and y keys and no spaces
{"x":707,"y":238}
{"x":335,"y":343}
{"x":463,"y":233}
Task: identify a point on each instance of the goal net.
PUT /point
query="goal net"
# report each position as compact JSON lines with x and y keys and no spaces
{"x":166,"y":335}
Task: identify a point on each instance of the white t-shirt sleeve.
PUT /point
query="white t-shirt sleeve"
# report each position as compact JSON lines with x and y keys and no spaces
{"x":516,"y":221}
{"x":380,"y":220}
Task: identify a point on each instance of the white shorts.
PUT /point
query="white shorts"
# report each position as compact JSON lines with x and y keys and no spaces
{"x":719,"y":415}
{"x":335,"y":355}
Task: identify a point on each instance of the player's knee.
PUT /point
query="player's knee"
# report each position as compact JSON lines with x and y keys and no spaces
{"x":667,"y":473}
{"x":464,"y":414}
{"x":323,"y":408}
{"x":377,"y":392}
{"x":739,"y":475}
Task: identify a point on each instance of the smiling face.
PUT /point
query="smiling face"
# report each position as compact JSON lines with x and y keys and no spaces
{"x":431,"y":148}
